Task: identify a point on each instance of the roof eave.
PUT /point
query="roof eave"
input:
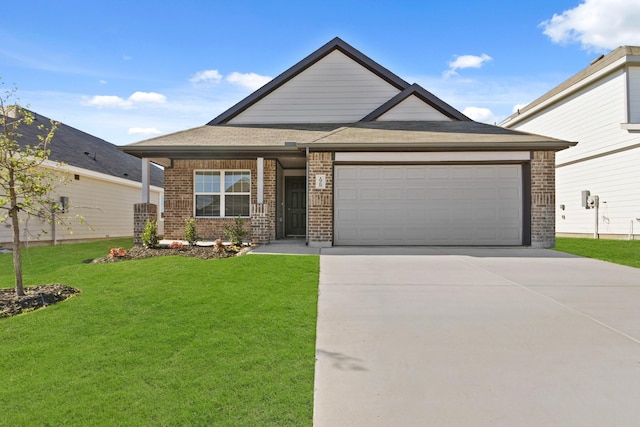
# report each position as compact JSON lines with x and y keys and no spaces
{"x":440,"y":146}
{"x":227,"y":152}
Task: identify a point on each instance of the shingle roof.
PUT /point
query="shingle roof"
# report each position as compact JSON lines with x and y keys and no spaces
{"x":220,"y":139}
{"x":389,"y":135}
{"x":80,"y":149}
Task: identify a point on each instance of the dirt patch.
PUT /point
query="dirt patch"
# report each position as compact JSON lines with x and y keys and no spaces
{"x":36,"y":297}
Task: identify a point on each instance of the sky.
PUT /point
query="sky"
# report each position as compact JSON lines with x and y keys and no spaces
{"x":126,"y":71}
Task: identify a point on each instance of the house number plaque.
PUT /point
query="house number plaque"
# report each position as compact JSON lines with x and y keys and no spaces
{"x":321,"y":182}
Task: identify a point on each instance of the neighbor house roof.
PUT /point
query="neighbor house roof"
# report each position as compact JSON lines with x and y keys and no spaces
{"x":80,"y":149}
{"x":601,"y":65}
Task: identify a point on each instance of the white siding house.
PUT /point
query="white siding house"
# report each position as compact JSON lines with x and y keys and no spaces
{"x":600,"y":109}
{"x":102,"y":185}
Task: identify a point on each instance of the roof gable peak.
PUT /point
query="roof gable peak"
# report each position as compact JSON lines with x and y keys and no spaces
{"x":422,"y":94}
{"x":333,"y":45}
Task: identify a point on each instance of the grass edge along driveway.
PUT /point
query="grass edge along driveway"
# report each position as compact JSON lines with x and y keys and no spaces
{"x":162,"y":341}
{"x":624,"y":252}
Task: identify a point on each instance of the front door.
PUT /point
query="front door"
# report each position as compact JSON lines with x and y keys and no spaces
{"x":295,"y":205}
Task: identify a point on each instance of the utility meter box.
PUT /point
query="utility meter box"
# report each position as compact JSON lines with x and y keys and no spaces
{"x":585,"y":199}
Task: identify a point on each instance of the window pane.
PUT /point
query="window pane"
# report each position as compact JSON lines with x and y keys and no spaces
{"x":237,"y":182}
{"x":236,"y":206}
{"x":207,"y":205}
{"x":207,"y":182}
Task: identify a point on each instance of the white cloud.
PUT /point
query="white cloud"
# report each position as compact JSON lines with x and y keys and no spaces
{"x":112,"y":101}
{"x":251,"y":81}
{"x":103,"y":82}
{"x":598,"y":25}
{"x":144,"y":131}
{"x":210,"y":77}
{"x":148,"y":98}
{"x":479,"y":114}
{"x":108,"y":101}
{"x":466,"y":61}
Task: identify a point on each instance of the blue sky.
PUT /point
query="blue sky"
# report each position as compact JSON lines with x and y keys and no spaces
{"x":129,"y":70}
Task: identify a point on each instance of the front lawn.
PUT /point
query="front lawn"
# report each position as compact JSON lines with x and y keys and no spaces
{"x":625,"y":252}
{"x":161,"y":341}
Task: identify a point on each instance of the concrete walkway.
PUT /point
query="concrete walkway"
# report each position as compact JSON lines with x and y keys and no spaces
{"x":286,"y":247}
{"x":476,"y":337}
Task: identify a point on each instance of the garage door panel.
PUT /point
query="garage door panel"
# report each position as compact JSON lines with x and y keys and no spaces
{"x":428,"y":205}
{"x":369,"y":173}
{"x":346,"y":194}
{"x":393,"y":173}
{"x":369,"y":194}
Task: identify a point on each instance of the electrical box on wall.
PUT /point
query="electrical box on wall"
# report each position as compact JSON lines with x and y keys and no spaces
{"x":585,"y":199}
{"x":64,"y":204}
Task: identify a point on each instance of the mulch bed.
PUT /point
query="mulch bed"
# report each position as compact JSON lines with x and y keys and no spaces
{"x":44,"y":295}
{"x":36,"y":297}
{"x":202,"y":252}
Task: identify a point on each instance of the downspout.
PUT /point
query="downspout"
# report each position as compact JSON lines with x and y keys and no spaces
{"x":306,"y":240}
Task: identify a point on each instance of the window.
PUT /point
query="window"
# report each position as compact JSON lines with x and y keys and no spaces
{"x":222,"y":193}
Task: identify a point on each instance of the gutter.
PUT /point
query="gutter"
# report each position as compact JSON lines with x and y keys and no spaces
{"x":439,"y":146}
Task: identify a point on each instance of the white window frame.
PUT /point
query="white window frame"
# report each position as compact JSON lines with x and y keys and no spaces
{"x":222,"y":193}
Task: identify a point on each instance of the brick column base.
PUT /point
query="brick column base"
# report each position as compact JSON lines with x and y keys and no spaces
{"x":543,"y":199}
{"x":260,"y":224}
{"x":141,"y":213}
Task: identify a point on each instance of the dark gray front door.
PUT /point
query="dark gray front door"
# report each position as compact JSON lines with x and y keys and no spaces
{"x":295,"y":205}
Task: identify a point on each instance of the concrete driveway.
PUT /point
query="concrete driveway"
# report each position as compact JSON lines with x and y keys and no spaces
{"x":476,"y":337}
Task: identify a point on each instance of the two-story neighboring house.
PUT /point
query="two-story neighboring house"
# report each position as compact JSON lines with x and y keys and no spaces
{"x":103,"y":184}
{"x":600,"y":108}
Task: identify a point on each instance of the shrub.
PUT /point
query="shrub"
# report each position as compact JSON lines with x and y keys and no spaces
{"x":176,"y":245}
{"x":235,"y":232}
{"x":150,"y":235}
{"x":190,"y":233}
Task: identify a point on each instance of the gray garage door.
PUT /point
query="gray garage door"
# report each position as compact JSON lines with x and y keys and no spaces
{"x":428,"y":205}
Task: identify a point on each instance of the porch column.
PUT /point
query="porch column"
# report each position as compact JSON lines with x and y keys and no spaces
{"x":146,"y":181}
{"x":142,"y":212}
{"x":260,"y":180}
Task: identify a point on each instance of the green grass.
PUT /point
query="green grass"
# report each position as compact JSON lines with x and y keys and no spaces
{"x":625,"y":252}
{"x":161,"y":341}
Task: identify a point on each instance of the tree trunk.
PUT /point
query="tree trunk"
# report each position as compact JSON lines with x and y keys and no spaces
{"x":15,"y":222}
{"x":17,"y":261}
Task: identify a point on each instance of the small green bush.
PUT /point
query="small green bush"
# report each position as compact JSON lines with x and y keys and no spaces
{"x":235,"y":232}
{"x":150,"y":235}
{"x":190,"y":233}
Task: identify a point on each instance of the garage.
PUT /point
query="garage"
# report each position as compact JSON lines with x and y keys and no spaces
{"x":465,"y":204}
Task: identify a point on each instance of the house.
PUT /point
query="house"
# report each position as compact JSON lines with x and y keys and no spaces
{"x":597,"y":181}
{"x":103,"y":184}
{"x":341,"y":151}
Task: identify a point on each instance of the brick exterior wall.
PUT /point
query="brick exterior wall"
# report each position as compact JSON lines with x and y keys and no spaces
{"x":141,"y":213}
{"x":320,"y":220}
{"x":178,"y":195}
{"x":543,"y":199}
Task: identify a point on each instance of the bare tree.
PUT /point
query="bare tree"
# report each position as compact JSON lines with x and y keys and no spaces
{"x":25,"y":185}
